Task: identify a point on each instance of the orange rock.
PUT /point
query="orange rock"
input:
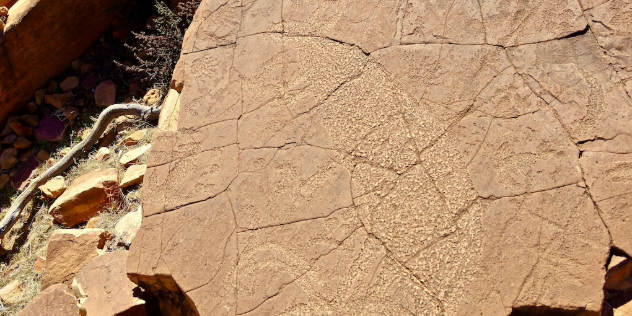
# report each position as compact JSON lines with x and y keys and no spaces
{"x":56,"y":300}
{"x":22,"y":143}
{"x":69,"y":83}
{"x":39,"y":265}
{"x":8,"y":158}
{"x":58,"y":100}
{"x":20,"y":127}
{"x":69,"y":250}
{"x":86,"y":196}
{"x":43,"y":29}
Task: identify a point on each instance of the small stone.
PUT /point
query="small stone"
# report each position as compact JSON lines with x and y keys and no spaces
{"x":22,"y":143}
{"x":39,"y":96}
{"x":8,"y":158}
{"x":127,"y":227}
{"x":11,"y":293}
{"x":32,"y":107}
{"x":69,"y":83}
{"x":86,"y":196}
{"x":76,"y":65}
{"x":39,"y":265}
{"x":7,"y":128}
{"x":25,"y":154}
{"x":54,"y":187}
{"x":58,"y":100}
{"x":43,"y":155}
{"x":152,"y":97}
{"x":9,"y":139}
{"x":90,"y":81}
{"x":20,"y":127}
{"x":24,"y":172}
{"x":102,"y":154}
{"x":4,"y":179}
{"x":135,"y":137}
{"x":4,"y":11}
{"x":133,"y":175}
{"x":50,"y":129}
{"x":105,"y":93}
{"x":93,"y":222}
{"x":133,"y":155}
{"x":84,"y":68}
{"x":71,"y":112}
{"x":52,"y":87}
{"x":31,"y":120}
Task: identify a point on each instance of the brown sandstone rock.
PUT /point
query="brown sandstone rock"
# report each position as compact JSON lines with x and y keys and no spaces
{"x":20,"y":127}
{"x":69,"y":250}
{"x":22,"y":143}
{"x":69,"y":29}
{"x":58,"y":100}
{"x":133,"y":175}
{"x":134,"y":154}
{"x":8,"y":158}
{"x":135,"y":137}
{"x":105,"y":93}
{"x":86,"y":196}
{"x":54,"y":187}
{"x":56,"y":300}
{"x":107,"y":291}
{"x":396,"y":157}
{"x":69,"y":83}
{"x":102,"y":154}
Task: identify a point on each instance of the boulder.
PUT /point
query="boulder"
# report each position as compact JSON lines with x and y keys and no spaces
{"x":54,"y":187}
{"x":50,"y":129}
{"x":56,"y":300}
{"x":134,"y":154}
{"x":170,"y":112}
{"x":39,"y":29}
{"x":86,"y":196}
{"x":11,"y":293}
{"x":69,"y":250}
{"x":133,"y":175}
{"x":135,"y":137}
{"x":69,"y":83}
{"x":104,"y":289}
{"x":127,"y":227}
{"x":105,"y":93}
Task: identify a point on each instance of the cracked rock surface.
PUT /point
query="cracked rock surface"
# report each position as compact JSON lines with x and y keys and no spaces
{"x":395,"y":157}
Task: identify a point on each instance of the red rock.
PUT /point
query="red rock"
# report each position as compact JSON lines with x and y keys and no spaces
{"x":69,"y":83}
{"x":22,"y":143}
{"x":48,"y":35}
{"x":105,"y":93}
{"x":8,"y":158}
{"x":69,"y":250}
{"x":90,"y":81}
{"x":71,"y":112}
{"x":58,"y":100}
{"x":25,"y":171}
{"x":50,"y":129}
{"x":20,"y":127}
{"x":106,"y":288}
{"x":31,"y":120}
{"x":56,"y":300}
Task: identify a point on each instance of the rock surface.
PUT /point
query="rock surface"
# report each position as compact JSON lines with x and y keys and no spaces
{"x":54,"y":187}
{"x":69,"y":250}
{"x":395,"y":157}
{"x":56,"y":300}
{"x":48,"y":34}
{"x":106,"y":289}
{"x":127,"y":227}
{"x":133,"y":175}
{"x":86,"y":196}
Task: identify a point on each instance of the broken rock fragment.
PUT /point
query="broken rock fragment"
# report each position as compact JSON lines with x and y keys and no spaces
{"x":56,"y":300}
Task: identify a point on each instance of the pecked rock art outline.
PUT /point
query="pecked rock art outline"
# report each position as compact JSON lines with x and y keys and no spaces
{"x":360,"y":173}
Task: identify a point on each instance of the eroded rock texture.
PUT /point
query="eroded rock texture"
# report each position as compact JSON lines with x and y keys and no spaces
{"x":417,"y":157}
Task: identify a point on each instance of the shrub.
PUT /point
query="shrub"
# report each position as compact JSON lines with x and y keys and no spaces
{"x":158,"y":52}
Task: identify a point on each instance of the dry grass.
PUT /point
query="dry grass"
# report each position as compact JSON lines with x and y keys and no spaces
{"x":32,"y":234}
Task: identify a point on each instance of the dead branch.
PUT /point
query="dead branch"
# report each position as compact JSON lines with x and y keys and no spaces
{"x":107,"y":116}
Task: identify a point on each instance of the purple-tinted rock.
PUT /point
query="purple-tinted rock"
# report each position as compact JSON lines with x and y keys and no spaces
{"x":9,"y":139}
{"x":50,"y":129}
{"x":24,"y":172}
{"x":90,"y":81}
{"x":105,"y":93}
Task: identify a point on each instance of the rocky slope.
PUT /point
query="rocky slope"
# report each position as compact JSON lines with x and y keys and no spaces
{"x":393,"y":157}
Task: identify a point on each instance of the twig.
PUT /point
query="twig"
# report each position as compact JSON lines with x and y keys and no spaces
{"x":107,"y":116}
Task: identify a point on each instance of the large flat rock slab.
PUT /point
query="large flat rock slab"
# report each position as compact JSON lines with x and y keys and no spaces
{"x":49,"y":34}
{"x":395,"y":157}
